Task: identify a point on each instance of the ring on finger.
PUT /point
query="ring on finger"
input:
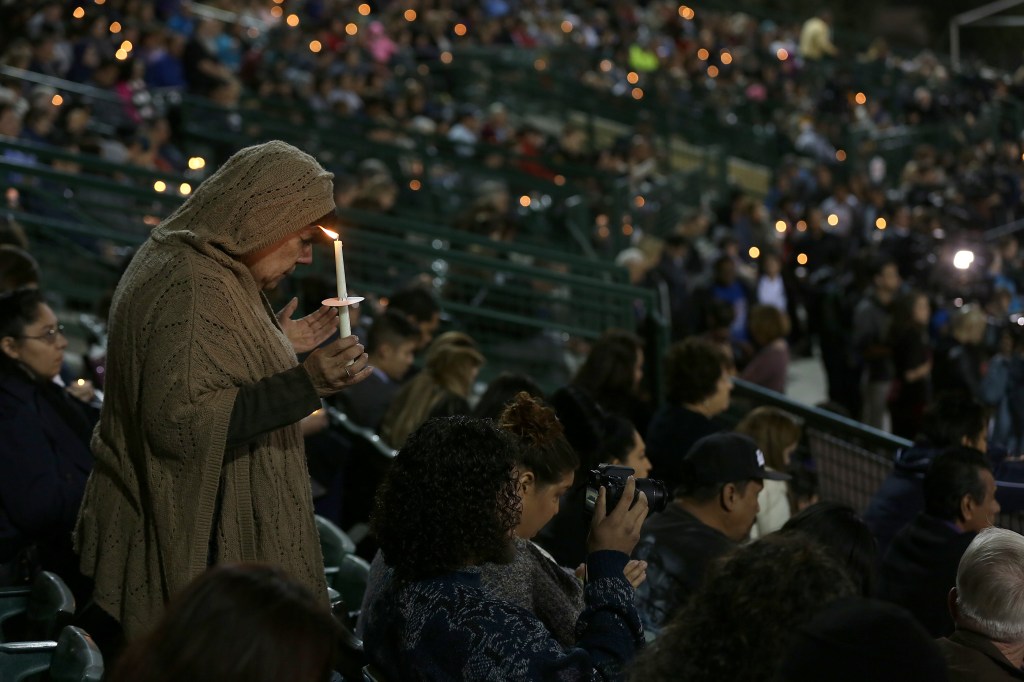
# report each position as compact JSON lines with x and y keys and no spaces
{"x":348,"y":373}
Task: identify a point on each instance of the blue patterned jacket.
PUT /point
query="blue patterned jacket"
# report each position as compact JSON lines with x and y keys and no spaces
{"x":451,"y":628}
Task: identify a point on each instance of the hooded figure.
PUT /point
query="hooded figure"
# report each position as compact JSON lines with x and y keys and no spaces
{"x":182,"y":479}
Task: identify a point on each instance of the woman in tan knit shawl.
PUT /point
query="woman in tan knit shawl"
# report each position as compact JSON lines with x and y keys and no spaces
{"x":199,"y":457}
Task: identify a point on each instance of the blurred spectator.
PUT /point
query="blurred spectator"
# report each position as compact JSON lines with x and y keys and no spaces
{"x":777,"y":433}
{"x":613,"y":375}
{"x":726,"y":287}
{"x":18,"y":269}
{"x":855,"y":639}
{"x":769,"y":327}
{"x":958,"y":358}
{"x":839,"y":530}
{"x":670,"y":272}
{"x":734,"y":605}
{"x":204,"y":70}
{"x":530,"y":147}
{"x":422,"y":309}
{"x":465,"y":132}
{"x":1003,"y":389}
{"x":390,"y":345}
{"x":871,"y":321}
{"x":816,"y":39}
{"x":235,"y":623}
{"x":921,"y":564}
{"x":500,"y":392}
{"x":952,"y":420}
{"x":440,"y":390}
{"x":772,"y":288}
{"x":698,"y":387}
{"x":912,"y":363}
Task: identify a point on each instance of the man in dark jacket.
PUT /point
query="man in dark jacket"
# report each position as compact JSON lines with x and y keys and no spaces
{"x":920,"y":567}
{"x":952,"y":420}
{"x":987,"y":605}
{"x":714,"y":510}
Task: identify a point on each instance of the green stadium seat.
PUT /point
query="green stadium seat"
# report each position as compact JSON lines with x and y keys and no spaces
{"x":371,"y":674}
{"x":77,"y":658}
{"x":74,"y":657}
{"x":37,"y":612}
{"x":351,"y":579}
{"x":335,"y":546}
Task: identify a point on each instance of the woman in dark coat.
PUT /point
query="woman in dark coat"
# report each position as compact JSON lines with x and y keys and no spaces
{"x":44,"y":445}
{"x":912,"y":360}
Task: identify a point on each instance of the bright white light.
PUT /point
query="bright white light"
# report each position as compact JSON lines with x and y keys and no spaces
{"x":963,"y":259}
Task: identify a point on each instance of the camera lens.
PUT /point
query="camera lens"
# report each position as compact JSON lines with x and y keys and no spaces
{"x":613,"y":479}
{"x":656,"y":492}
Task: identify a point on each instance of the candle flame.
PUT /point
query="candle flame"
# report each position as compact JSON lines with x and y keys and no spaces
{"x":329,"y":233}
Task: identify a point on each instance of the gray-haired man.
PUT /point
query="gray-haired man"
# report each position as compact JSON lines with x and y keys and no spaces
{"x":987,"y":605}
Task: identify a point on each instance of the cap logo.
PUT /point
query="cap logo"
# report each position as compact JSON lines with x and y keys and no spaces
{"x":760,"y":458}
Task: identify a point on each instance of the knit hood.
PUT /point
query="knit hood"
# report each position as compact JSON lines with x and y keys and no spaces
{"x":260,"y":196}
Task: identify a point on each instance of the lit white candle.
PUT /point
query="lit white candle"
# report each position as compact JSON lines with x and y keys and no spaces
{"x":344,"y":324}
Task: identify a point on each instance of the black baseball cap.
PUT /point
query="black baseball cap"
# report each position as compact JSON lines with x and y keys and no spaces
{"x":724,"y":458}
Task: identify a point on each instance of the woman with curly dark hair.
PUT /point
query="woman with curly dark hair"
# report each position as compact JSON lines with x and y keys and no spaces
{"x":449,"y":504}
{"x":741,"y":622}
{"x":699,"y":381}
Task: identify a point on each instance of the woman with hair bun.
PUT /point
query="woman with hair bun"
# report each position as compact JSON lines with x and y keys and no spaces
{"x":545,"y":468}
{"x":545,"y":471}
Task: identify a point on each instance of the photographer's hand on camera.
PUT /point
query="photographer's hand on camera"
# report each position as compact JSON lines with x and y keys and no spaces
{"x":329,"y":367}
{"x":619,"y":529}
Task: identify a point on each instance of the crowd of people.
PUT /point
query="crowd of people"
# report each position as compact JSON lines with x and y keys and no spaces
{"x":816,"y":250}
{"x":178,"y":504}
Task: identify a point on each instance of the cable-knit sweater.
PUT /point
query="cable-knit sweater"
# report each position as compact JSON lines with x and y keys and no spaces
{"x":188,"y":327}
{"x":452,"y":628}
{"x":534,"y":581}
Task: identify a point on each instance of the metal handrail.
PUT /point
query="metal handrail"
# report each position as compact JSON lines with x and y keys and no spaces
{"x":839,"y":425}
{"x":91,"y":161}
{"x":436,"y":231}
